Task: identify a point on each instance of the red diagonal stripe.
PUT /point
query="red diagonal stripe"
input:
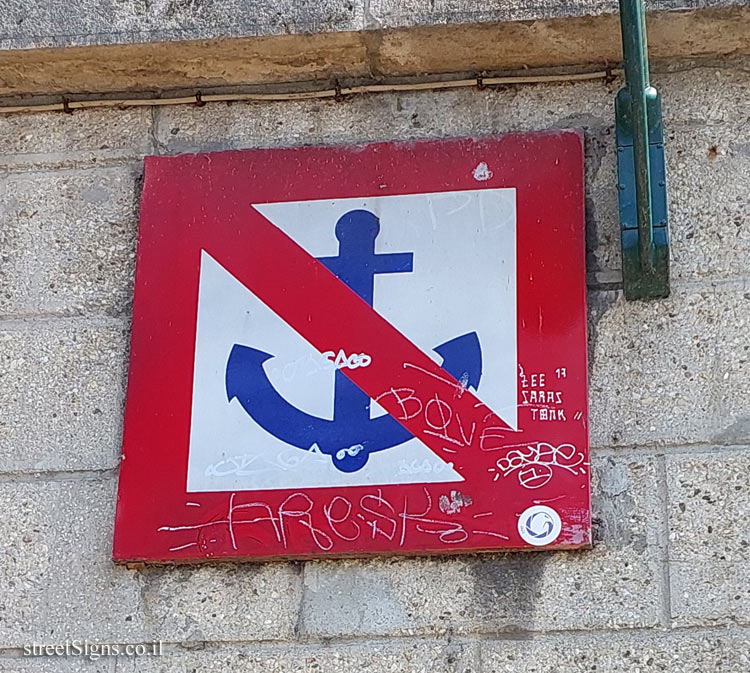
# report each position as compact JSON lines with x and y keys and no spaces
{"x":407,"y":383}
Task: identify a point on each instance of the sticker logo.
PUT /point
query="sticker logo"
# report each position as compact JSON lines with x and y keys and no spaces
{"x":539,"y":525}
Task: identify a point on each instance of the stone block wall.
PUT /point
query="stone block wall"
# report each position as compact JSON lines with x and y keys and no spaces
{"x":666,"y":586}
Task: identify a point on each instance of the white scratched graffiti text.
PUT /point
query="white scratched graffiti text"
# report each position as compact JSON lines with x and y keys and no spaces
{"x":344,"y":361}
{"x":535,"y":463}
{"x":251,"y":464}
{"x":329,"y":521}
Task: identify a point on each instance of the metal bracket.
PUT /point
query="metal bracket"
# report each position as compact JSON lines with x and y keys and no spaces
{"x":641,"y":172}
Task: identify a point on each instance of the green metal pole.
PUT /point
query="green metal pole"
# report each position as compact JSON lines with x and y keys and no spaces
{"x":633,"y":24}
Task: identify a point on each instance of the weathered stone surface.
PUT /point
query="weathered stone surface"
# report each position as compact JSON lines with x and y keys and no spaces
{"x":67,"y":241}
{"x":55,"y":23}
{"x":709,"y":550}
{"x":658,"y":369}
{"x":391,"y":13}
{"x":56,"y":577}
{"x":706,"y":592}
{"x":709,"y":506}
{"x":709,"y":179}
{"x":419,"y":656}
{"x":55,"y":664}
{"x":703,"y":94}
{"x":151,"y":67}
{"x":61,"y":394}
{"x":733,"y":366}
{"x":61,"y":139}
{"x":369,"y":118}
{"x":481,"y":46}
{"x":618,"y":582}
{"x":222,"y":602}
{"x":431,"y":114}
{"x":455,"y":43}
{"x":58,"y":582}
{"x":658,"y":652}
{"x":602,"y":214}
{"x":136,"y":45}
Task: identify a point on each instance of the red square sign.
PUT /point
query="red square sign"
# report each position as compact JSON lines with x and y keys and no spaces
{"x":358,"y":350}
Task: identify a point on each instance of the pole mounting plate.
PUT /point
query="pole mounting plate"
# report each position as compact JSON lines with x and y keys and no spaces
{"x":642,"y":281}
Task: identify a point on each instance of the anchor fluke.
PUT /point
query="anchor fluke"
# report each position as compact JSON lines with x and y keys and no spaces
{"x":462,"y":359}
{"x":242,"y":359}
{"x":246,"y":381}
{"x":349,"y":443}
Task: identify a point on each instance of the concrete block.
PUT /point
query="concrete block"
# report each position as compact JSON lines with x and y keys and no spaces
{"x":242,"y":602}
{"x":658,"y":370}
{"x":393,"y":13}
{"x":702,"y":95}
{"x":56,"y":577}
{"x":382,"y":117}
{"x":616,"y":585}
{"x":709,"y":549}
{"x":57,"y":23}
{"x":58,"y":582}
{"x":655,"y":652}
{"x":18,"y":17}
{"x":706,"y":592}
{"x":62,"y":139}
{"x":709,"y":178}
{"x":399,"y":656}
{"x":67,"y":241}
{"x":61,"y":394}
{"x":53,"y":664}
{"x":603,"y":248}
{"x":732,"y":393}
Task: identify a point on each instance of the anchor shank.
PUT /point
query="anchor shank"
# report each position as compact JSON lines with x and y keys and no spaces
{"x":356,"y":266}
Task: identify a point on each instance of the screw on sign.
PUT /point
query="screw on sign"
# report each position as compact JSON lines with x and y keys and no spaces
{"x":351,"y":351}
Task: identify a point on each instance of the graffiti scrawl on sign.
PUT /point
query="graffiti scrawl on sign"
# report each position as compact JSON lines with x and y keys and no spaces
{"x":358,"y":350}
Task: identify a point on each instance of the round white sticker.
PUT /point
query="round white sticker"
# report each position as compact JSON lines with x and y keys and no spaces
{"x":539,"y":525}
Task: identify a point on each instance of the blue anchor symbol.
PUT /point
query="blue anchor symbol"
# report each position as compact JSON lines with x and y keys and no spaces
{"x":352,"y":435}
